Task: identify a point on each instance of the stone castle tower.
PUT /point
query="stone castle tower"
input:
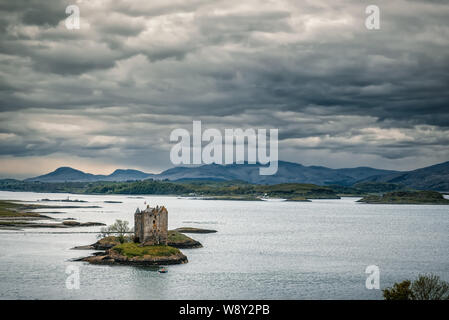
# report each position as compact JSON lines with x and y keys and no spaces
{"x":151,"y":225}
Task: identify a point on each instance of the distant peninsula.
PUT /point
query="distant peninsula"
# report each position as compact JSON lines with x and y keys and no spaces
{"x":194,"y":189}
{"x":407,"y":197}
{"x":16,"y":215}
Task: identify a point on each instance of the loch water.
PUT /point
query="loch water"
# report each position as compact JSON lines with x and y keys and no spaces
{"x":262,"y":250}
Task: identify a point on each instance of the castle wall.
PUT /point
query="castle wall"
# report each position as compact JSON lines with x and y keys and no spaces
{"x":163,"y":225}
{"x":138,"y":226}
{"x":151,"y":226}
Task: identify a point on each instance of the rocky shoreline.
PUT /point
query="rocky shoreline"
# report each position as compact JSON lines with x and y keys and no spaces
{"x":136,"y":254}
{"x":175,"y":239}
{"x":111,"y":257}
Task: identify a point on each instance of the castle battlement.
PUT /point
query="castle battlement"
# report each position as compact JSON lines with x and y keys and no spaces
{"x":151,"y":225}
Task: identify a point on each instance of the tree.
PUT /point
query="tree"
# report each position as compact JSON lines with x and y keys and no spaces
{"x":430,"y":287}
{"x":119,"y":228}
{"x":400,"y":291}
{"x":425,"y":287}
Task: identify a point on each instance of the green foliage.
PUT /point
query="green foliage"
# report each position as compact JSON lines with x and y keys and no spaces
{"x":430,"y":287}
{"x":35,"y":186}
{"x":230,"y":189}
{"x":139,"y":187}
{"x":378,"y":187}
{"x":365,"y":188}
{"x":407,"y":197}
{"x":132,"y":249}
{"x":399,"y":291}
{"x":425,"y":287}
{"x":204,"y":187}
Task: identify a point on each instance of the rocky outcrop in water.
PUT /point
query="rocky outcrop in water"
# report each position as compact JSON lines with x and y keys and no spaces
{"x":111,"y":257}
{"x":175,"y":239}
{"x":194,"y":230}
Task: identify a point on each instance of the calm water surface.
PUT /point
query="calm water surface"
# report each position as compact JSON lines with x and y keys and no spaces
{"x":263,"y":250}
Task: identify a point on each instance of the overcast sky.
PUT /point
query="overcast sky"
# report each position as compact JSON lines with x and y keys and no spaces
{"x":107,"y":96}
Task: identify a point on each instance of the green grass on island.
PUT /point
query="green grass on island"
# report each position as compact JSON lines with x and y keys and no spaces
{"x":131,"y":249}
{"x":175,"y":239}
{"x":407,"y":197}
{"x":174,"y":236}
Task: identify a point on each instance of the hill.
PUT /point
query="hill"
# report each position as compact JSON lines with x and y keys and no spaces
{"x":435,"y":177}
{"x":288,"y":172}
{"x":67,"y":174}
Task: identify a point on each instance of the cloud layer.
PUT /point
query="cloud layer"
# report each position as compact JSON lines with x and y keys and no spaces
{"x":109,"y":94}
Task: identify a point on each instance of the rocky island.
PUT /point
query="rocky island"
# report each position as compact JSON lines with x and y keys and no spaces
{"x":193,"y":230}
{"x":151,"y":244}
{"x":132,"y":253}
{"x":406,"y":197}
{"x":175,"y":239}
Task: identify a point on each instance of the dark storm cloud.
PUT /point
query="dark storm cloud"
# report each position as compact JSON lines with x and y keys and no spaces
{"x":135,"y":70}
{"x":35,"y":12}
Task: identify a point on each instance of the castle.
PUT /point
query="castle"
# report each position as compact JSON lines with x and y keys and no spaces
{"x":151,"y":226}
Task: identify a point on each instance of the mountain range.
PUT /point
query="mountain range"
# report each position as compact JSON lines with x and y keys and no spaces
{"x":435,"y":177}
{"x":67,"y":174}
{"x":287,"y":172}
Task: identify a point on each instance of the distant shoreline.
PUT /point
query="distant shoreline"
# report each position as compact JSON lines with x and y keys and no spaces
{"x":407,"y":197}
{"x":16,"y":215}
